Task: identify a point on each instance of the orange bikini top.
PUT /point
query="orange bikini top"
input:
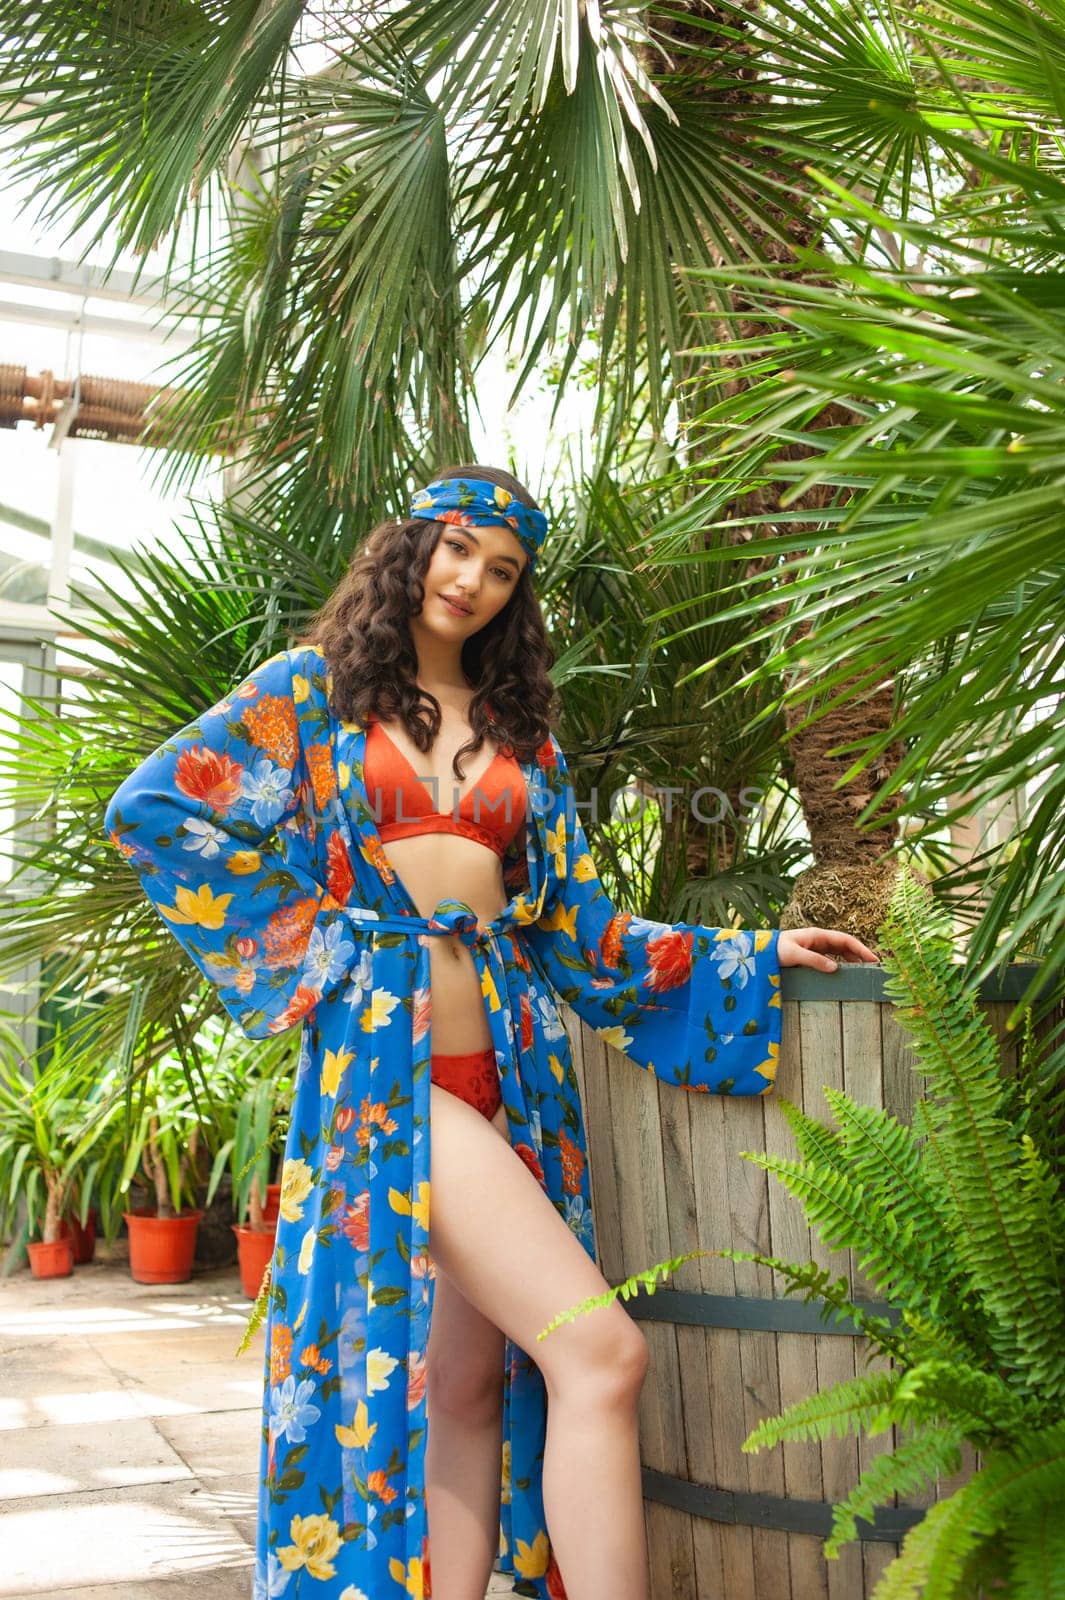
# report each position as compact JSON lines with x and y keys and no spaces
{"x":490,"y":813}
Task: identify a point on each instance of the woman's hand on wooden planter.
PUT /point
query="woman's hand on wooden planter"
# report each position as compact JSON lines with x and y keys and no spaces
{"x":804,"y":947}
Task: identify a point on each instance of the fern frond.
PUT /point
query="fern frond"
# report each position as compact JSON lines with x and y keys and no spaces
{"x":816,"y":1141}
{"x":990,"y":1218}
{"x":1030,"y":1475}
{"x":855,"y":1403}
{"x":908,"y":1468}
{"x":884,"y":1155}
{"x":839,"y":1208}
{"x":982,"y":1404}
{"x":928,"y":1341}
{"x":1036,"y":1544}
{"x":646,"y":1278}
{"x":816,"y":1282}
{"x":943,"y":1528}
{"x":258,"y":1310}
{"x":937,"y":1553}
{"x":1041,"y":1188}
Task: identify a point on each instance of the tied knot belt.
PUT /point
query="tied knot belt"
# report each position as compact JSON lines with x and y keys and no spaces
{"x":450,"y":917}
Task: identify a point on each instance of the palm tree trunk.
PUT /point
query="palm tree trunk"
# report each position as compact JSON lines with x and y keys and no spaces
{"x":850,"y":881}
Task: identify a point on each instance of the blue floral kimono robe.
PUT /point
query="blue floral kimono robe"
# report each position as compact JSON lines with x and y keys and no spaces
{"x":253,"y":836}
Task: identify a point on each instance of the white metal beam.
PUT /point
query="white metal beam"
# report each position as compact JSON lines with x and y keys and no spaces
{"x":65,"y":317}
{"x":18,"y":621}
{"x":68,"y":277}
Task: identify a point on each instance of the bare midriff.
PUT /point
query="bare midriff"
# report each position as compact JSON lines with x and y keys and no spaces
{"x":445,"y":866}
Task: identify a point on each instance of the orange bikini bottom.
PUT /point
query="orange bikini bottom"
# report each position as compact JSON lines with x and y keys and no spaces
{"x":473,"y":1077}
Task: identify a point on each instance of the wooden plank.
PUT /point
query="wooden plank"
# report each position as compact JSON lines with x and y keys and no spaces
{"x":707,"y":1120}
{"x":683,"y":1224}
{"x":608,"y":1082}
{"x":790,"y":1240}
{"x":945,"y":1486}
{"x":674,"y":1568}
{"x":789,"y":1231}
{"x":809,"y":1569}
{"x":822,"y":1062}
{"x":863,"y":1082}
{"x":903,"y":1087}
{"x":603,"y":1178}
{"x":996,"y":1013}
{"x":677,"y":1581}
{"x":748,"y":1193}
{"x":638,"y":1164}
{"x":877,"y":1556}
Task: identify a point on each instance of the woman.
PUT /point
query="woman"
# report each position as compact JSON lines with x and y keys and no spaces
{"x":259,"y":833}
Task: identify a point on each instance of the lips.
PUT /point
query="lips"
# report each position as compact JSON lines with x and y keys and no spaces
{"x":456,"y":605}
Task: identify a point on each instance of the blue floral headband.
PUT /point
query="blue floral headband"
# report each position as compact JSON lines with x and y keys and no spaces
{"x":473,"y":502}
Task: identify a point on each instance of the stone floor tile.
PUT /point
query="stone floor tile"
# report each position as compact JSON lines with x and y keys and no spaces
{"x":100,"y":1455}
{"x":117,"y":1536}
{"x":38,"y":1400}
{"x":213,"y":1583}
{"x":237,"y":1499}
{"x":178,"y":1348}
{"x":204,"y":1386}
{"x":215,"y":1444}
{"x":33,"y":1356}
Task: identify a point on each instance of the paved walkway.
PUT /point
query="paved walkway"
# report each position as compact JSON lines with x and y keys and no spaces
{"x":129,"y":1438}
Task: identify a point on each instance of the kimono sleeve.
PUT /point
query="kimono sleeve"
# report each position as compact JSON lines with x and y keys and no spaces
{"x":214,"y":822}
{"x":697,"y":1006}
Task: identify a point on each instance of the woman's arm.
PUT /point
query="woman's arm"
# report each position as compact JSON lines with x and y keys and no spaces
{"x":214,"y":822}
{"x":698,"y":1006}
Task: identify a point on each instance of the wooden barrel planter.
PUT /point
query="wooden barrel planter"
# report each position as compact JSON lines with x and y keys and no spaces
{"x":728,"y":1348}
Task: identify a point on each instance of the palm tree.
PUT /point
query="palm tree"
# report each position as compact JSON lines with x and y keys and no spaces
{"x":937,"y":559}
{"x":850,"y":880}
{"x":453,"y":177}
{"x":581,"y":182}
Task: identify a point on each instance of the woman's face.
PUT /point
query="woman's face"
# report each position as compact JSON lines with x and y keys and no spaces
{"x":478,"y":569}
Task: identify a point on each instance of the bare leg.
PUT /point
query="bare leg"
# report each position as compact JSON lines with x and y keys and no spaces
{"x":463,"y":1449}
{"x":509,"y":1253}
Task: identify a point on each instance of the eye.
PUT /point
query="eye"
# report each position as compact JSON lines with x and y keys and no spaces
{"x":455,"y":544}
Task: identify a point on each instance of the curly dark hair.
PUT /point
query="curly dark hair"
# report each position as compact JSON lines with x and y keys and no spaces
{"x":362,"y":631}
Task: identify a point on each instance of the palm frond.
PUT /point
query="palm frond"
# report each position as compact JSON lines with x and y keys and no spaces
{"x":130,"y":110}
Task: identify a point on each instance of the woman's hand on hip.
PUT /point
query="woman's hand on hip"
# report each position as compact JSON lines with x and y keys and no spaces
{"x":803,"y":947}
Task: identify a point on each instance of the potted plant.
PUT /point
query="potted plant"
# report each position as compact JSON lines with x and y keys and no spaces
{"x":247,"y":1151}
{"x":256,"y":1123}
{"x":95,"y":1165}
{"x":78,"y":1224}
{"x":40,"y":1108}
{"x":282,"y":1106}
{"x":163,"y":1146}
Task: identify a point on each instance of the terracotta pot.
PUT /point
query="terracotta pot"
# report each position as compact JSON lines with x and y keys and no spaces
{"x":255,"y":1249}
{"x":82,"y":1239}
{"x":161,"y":1248}
{"x":272,"y":1207}
{"x":52,"y":1260}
